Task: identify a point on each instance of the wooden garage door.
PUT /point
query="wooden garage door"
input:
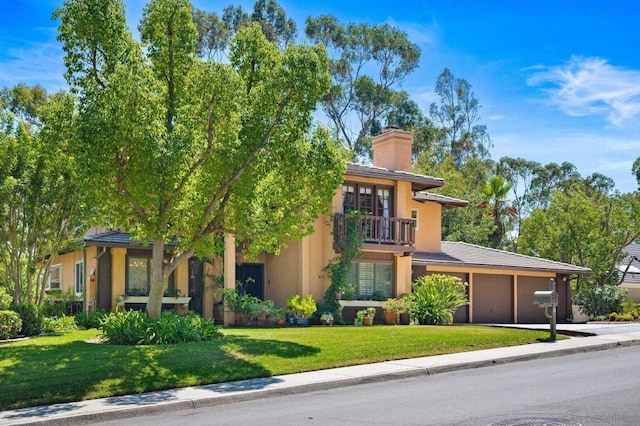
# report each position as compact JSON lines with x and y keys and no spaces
{"x":528,"y":313}
{"x":492,"y":298}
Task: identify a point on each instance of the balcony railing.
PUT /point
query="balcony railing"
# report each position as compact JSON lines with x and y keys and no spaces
{"x":376,"y":230}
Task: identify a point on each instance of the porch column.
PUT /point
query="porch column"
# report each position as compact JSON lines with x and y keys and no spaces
{"x":470,"y":297}
{"x":515,"y":299}
{"x":118,"y":274}
{"x":229,"y":273}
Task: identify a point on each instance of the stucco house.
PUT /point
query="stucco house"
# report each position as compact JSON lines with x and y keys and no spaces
{"x":402,"y":240}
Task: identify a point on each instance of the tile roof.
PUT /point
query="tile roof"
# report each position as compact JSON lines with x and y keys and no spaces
{"x":447,"y":202}
{"x":418,"y":182}
{"x":115,"y":239}
{"x":632,"y":249}
{"x":470,"y":255}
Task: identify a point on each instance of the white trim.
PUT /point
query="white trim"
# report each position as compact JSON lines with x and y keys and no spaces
{"x":56,"y":266}
{"x":75,"y":277}
{"x":416,"y":218}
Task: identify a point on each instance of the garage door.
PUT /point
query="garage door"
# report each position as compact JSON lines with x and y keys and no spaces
{"x":492,"y":298}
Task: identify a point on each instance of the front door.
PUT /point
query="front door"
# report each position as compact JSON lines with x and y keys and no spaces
{"x":196,"y":285}
{"x":251,"y":275}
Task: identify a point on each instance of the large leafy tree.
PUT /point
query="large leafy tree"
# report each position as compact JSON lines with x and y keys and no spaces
{"x":181,"y":149}
{"x":369,"y":63}
{"x":40,"y":208}
{"x":635,"y":169}
{"x":586,"y":230}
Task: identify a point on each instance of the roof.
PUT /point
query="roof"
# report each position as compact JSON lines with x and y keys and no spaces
{"x":447,"y":202}
{"x":470,"y":255}
{"x":418,"y":182}
{"x":116,"y":239}
{"x":632,"y":277}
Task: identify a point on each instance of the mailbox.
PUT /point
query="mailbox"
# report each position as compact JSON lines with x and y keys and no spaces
{"x":545,"y":299}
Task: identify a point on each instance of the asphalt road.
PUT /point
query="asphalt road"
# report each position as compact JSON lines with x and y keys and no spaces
{"x":596,"y":388}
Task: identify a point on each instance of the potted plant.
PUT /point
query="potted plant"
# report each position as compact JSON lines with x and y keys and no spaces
{"x":326,"y":318}
{"x":391,"y":309}
{"x":359,"y":317}
{"x":301,"y":308}
{"x":370,"y":314}
{"x":406,"y":305}
{"x":279,"y":315}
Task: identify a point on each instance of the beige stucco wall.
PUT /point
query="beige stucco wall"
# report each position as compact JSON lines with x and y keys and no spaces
{"x":429,"y":232}
{"x":118,"y":273}
{"x":67,"y":262}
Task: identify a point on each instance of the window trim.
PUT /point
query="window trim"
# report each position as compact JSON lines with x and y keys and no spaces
{"x":416,"y":219}
{"x":357,"y":262}
{"x":374,"y":193}
{"x":171,"y":280}
{"x":76,"y":281}
{"x":51,"y":268}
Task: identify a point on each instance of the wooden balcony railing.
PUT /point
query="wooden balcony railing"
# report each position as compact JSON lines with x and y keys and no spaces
{"x":376,"y":230}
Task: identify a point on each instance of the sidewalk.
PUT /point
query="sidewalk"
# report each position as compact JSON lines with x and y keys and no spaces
{"x":609,"y":336}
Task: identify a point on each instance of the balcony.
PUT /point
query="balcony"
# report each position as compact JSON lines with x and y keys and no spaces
{"x":378,"y":233}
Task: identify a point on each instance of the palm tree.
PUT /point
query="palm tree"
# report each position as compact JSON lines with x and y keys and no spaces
{"x":494,"y":194}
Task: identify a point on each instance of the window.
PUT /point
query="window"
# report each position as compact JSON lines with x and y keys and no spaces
{"x":414,"y":216}
{"x":139,"y":276}
{"x":55,"y":277}
{"x":368,"y":199}
{"x":79,"y":277}
{"x":371,"y":277}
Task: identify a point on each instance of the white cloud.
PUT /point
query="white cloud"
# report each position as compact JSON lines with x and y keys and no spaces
{"x":592,"y":86}
{"x":33,"y":63}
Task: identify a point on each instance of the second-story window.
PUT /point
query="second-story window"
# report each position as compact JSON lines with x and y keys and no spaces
{"x":373,"y":200}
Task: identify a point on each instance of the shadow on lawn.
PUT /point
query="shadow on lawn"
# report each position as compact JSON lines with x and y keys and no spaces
{"x":39,"y":374}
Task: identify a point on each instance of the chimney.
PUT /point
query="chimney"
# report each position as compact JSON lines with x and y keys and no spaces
{"x":392,"y":149}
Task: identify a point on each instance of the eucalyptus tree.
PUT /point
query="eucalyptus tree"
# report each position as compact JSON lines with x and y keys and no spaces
{"x":635,"y":170}
{"x":457,"y":113}
{"x":40,"y":208}
{"x":369,"y":63}
{"x":178,"y":148}
{"x":215,"y":31}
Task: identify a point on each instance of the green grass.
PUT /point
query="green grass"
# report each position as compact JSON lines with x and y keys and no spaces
{"x":64,"y":368}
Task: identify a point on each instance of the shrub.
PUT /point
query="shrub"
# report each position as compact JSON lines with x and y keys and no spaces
{"x":136,"y":328}
{"x":630,"y":307}
{"x":59,"y":303}
{"x":5,"y":299}
{"x":90,"y":319}
{"x":62,"y":324}
{"x":302,"y":307}
{"x":600,"y":300}
{"x":614,"y":316}
{"x":436,"y":297}
{"x":31,"y":320}
{"x":10,"y":324}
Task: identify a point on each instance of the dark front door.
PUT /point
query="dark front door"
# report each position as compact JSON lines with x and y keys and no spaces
{"x":103,"y":280}
{"x":251,"y":275}
{"x":196,"y":284}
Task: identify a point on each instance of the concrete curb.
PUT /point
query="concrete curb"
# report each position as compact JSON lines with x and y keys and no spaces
{"x":248,"y":390}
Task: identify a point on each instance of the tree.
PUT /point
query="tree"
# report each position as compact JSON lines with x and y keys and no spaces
{"x":494,"y":194}
{"x":181,"y":149}
{"x":590,"y":231}
{"x":635,"y":169}
{"x":382,"y":50}
{"x":40,"y":209}
{"x":215,"y":33}
{"x":520,"y":174}
{"x":457,"y":114}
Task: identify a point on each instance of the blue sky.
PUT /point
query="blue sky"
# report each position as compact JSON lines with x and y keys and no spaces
{"x":558,"y":80}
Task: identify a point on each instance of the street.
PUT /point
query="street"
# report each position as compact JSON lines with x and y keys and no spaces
{"x":596,"y":388}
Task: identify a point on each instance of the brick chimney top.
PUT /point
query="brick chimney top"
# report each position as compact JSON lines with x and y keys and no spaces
{"x":392,"y":149}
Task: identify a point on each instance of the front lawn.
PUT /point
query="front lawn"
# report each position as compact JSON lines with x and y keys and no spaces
{"x":51,"y":369}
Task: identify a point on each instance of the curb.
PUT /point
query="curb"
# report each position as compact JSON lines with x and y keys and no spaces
{"x":114,"y":413}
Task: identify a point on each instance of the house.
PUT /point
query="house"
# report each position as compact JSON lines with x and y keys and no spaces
{"x":630,"y":268}
{"x":401,"y":226}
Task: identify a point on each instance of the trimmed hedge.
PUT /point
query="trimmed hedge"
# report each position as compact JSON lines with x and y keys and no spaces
{"x":10,"y":324}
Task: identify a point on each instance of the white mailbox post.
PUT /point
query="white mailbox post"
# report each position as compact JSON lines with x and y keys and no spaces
{"x":546,"y":300}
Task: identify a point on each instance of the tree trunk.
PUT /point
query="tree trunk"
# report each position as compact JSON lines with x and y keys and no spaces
{"x":158,"y":280}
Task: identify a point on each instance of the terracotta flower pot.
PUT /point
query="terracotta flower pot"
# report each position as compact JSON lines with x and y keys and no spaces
{"x":391,"y":318}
